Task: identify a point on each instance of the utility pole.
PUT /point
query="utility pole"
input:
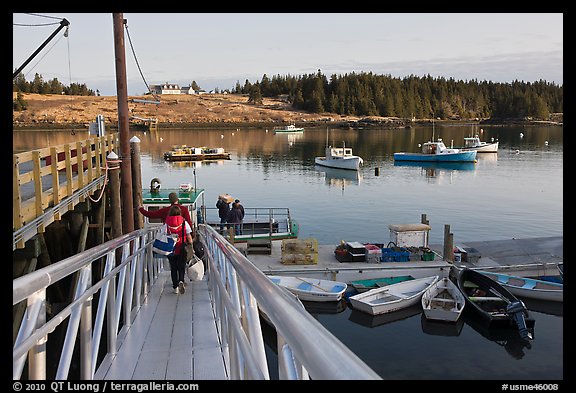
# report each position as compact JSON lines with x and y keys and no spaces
{"x":123,"y":125}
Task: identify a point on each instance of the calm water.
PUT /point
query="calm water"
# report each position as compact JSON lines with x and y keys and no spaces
{"x":516,"y":193}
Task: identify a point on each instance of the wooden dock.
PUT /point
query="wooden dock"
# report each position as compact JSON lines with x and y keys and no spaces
{"x":523,"y":257}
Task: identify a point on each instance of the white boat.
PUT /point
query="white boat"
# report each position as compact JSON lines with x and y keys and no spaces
{"x":289,"y":128}
{"x":437,"y":152}
{"x":312,"y":289}
{"x":529,"y":287}
{"x":443,"y":301}
{"x":473,"y":143}
{"x":340,"y":157}
{"x":392,"y":297}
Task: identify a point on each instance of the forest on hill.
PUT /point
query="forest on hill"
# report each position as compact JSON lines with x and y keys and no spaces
{"x":368,"y":94}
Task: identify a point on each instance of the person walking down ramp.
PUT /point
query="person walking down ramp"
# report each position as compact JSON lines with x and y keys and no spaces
{"x":176,"y":224}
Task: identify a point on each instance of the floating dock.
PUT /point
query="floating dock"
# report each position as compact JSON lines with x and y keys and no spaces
{"x":185,"y":153}
{"x":522,"y":257}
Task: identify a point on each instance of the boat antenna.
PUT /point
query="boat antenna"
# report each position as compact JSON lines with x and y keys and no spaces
{"x":432,"y":126}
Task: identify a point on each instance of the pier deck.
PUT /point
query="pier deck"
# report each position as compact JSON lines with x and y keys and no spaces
{"x":528,"y":257}
{"x":173,"y":337}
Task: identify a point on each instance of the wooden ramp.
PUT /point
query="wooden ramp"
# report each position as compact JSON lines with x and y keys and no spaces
{"x":173,"y":337}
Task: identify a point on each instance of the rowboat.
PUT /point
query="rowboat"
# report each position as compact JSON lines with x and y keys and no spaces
{"x":443,"y":301}
{"x":371,"y":321}
{"x":392,"y":297}
{"x":529,"y":287}
{"x":312,"y":289}
{"x":362,"y":286}
{"x":495,"y":304}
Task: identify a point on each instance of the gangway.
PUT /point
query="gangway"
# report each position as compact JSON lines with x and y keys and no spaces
{"x":212,"y":331}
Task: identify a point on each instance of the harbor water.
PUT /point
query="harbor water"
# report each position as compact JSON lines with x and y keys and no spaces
{"x":515,"y":193}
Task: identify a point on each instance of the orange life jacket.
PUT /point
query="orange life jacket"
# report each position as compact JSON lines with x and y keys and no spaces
{"x":176,"y":225}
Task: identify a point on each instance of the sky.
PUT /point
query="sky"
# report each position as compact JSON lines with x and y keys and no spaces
{"x":217,"y":50}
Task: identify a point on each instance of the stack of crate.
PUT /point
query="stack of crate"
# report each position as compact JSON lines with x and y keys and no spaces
{"x":299,"y":251}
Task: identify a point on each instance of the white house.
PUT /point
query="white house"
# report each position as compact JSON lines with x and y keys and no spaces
{"x":172,"y":88}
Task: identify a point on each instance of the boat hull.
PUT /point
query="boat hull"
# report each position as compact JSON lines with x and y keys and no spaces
{"x":466,"y":156}
{"x":350,"y":163}
{"x":484,"y":148}
{"x":489,"y":306}
{"x":529,"y":287}
{"x":362,"y":286}
{"x":312,"y":289}
{"x":392,"y":297}
{"x":443,"y":301}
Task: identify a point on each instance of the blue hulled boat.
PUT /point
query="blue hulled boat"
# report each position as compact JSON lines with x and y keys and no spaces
{"x":437,"y":152}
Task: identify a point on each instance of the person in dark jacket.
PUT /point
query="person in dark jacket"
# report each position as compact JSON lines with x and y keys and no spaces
{"x":237,"y":201}
{"x":235,"y":218}
{"x":223,"y":210}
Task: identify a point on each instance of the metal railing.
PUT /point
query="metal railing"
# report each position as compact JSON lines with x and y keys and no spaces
{"x":306,"y":349}
{"x":258,"y":222}
{"x":237,"y":290}
{"x":120,"y":293}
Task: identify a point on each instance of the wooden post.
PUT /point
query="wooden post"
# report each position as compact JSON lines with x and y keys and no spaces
{"x":136,"y":182}
{"x":424,"y":220}
{"x":448,"y":244}
{"x":376,"y":171}
{"x":114,"y":185}
{"x":123,"y":123}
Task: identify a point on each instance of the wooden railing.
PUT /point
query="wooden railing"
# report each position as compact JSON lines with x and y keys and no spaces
{"x":43,"y":178}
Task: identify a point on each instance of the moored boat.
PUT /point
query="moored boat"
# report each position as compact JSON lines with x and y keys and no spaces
{"x":288,"y":128}
{"x":495,"y":304}
{"x":362,"y":286}
{"x":473,"y":143}
{"x":443,"y":301}
{"x":312,"y":289}
{"x":529,"y":287}
{"x":339,"y":157}
{"x":437,"y":152}
{"x":392,"y":297}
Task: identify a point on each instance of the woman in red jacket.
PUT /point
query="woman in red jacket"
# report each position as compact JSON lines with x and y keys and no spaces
{"x":176,"y":224}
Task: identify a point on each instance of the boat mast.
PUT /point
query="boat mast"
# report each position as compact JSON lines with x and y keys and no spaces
{"x":432,"y":126}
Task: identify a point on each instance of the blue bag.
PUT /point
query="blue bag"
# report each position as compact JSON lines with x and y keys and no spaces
{"x":163,"y":243}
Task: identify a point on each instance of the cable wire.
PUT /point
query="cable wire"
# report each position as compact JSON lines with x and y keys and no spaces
{"x":137,"y":64}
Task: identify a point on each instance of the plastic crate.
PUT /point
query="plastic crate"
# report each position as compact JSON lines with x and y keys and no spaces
{"x":428,"y":256}
{"x":389,"y":255}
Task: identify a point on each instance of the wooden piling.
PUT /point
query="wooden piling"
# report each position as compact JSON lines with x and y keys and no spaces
{"x":136,"y":182}
{"x":424,"y":220}
{"x":115,"y":203}
{"x":448,"y":244}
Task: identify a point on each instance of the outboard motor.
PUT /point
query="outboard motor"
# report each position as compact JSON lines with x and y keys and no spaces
{"x":517,"y":310}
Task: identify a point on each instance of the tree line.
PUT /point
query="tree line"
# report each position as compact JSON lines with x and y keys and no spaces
{"x":39,"y":86}
{"x":368,"y":94}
